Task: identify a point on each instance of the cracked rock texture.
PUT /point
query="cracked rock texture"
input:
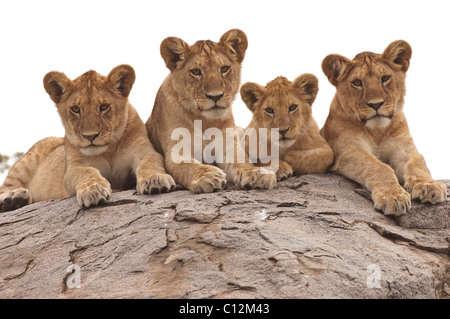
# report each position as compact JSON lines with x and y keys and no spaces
{"x":313,"y":236}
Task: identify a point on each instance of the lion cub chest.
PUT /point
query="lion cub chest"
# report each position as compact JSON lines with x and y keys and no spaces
{"x":117,"y":170}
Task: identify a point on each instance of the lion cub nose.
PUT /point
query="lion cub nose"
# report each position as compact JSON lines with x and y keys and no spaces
{"x":91,"y":138}
{"x":376,"y":105}
{"x":215,"y":98}
{"x":282,"y":132}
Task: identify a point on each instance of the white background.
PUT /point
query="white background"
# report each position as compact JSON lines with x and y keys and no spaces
{"x":285,"y":38}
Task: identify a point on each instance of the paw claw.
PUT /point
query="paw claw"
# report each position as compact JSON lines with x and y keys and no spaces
{"x":285,"y":170}
{"x":94,"y":193}
{"x":427,"y":191}
{"x":211,"y":179}
{"x":164,"y":189}
{"x":255,"y":178}
{"x":393,"y":201}
{"x":155,"y":184}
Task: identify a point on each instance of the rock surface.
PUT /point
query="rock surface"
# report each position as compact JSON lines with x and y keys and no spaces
{"x":313,"y":236}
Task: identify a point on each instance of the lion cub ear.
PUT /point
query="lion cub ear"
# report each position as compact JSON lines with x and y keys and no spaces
{"x":236,"y":42}
{"x":56,"y":84}
{"x":398,"y":54}
{"x":334,"y":67}
{"x":307,"y":86}
{"x":173,"y":50}
{"x":121,"y":79}
{"x":251,"y":93}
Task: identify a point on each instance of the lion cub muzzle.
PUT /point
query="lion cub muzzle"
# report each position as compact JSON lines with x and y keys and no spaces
{"x":375,"y":105}
{"x":91,"y":137}
{"x":93,"y":142}
{"x":213,"y":101}
{"x":375,"y":115}
{"x":215,"y":97}
{"x":284,"y":139}
{"x":213,"y":106}
{"x":283,"y":132}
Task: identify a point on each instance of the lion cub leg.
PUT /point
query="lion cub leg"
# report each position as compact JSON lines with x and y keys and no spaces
{"x":13,"y":199}
{"x":282,"y":172}
{"x":90,"y":187}
{"x":151,"y":177}
{"x":365,"y":168}
{"x":285,"y":170}
{"x":195,"y":176}
{"x":311,"y":154}
{"x":411,"y":168}
{"x":423,"y":187}
{"x":15,"y":191}
{"x":249,"y":176}
{"x":310,"y":161}
{"x":243,"y":173}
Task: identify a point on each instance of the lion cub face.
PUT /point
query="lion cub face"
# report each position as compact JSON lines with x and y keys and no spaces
{"x":374,"y":84}
{"x":93,"y":108}
{"x":282,"y":104}
{"x":206,"y":75}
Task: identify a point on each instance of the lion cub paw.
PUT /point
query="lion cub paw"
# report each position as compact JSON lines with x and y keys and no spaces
{"x":155,"y":184}
{"x":285,"y":170}
{"x":394,"y":201}
{"x":14,"y":199}
{"x":255,"y":177}
{"x":94,"y":193}
{"x":209,"y":179}
{"x":429,"y":191}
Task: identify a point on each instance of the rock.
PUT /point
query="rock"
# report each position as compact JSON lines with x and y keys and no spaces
{"x":313,"y":236}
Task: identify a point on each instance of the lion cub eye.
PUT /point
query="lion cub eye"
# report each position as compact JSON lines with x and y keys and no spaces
{"x":104,"y":107}
{"x":269,"y":110}
{"x":385,"y":78}
{"x":357,"y":82}
{"x":75,"y":109}
{"x":293,"y":107}
{"x":224,"y":69}
{"x":196,"y":72}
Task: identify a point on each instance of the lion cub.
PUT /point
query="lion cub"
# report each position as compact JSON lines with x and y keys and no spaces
{"x":287,"y":106}
{"x":105,"y":146}
{"x":195,"y":100}
{"x":368,"y":132}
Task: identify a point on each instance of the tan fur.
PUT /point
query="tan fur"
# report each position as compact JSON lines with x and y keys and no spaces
{"x":287,"y":106}
{"x":368,"y":132}
{"x":203,"y":82}
{"x":105,"y":146}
